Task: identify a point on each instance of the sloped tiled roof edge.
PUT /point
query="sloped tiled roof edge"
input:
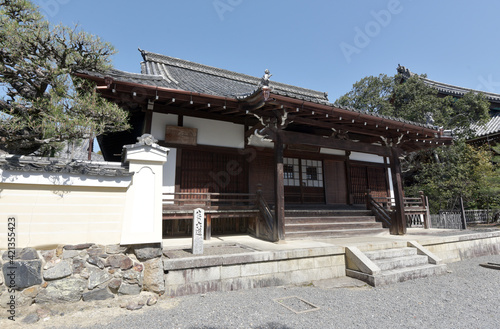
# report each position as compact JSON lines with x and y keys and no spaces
{"x":124,"y":76}
{"x":57,"y":165}
{"x":278,"y":87}
{"x":138,"y":78}
{"x":491,"y":127}
{"x":447,"y":88}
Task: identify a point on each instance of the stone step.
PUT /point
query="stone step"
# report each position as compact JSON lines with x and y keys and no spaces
{"x":401,"y":262}
{"x":329,"y":219}
{"x":398,"y":275}
{"x":334,"y":233}
{"x":319,"y":227}
{"x":390,"y":253}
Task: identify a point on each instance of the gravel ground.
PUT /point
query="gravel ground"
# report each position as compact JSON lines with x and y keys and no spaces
{"x":467,"y":297}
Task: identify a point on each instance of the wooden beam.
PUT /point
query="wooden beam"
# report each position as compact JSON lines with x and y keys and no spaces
{"x":290,"y":137}
{"x":398,"y":226}
{"x":204,"y":115}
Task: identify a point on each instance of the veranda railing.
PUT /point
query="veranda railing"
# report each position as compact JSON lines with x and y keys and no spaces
{"x":178,"y":205}
{"x":416,"y":210}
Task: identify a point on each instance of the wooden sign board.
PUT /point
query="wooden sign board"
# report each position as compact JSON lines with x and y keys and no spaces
{"x":181,"y":135}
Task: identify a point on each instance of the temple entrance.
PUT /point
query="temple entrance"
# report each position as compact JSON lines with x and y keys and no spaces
{"x":303,"y":180}
{"x":365,"y":178}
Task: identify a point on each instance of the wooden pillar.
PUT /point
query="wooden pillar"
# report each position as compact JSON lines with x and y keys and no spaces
{"x":148,"y":122}
{"x":398,"y":226}
{"x":208,"y":226}
{"x":348,"y":177}
{"x":462,"y":214}
{"x":178,"y":170}
{"x":279,"y":188}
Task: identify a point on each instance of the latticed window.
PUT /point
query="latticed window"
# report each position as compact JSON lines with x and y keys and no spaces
{"x":312,"y":173}
{"x":291,"y":172}
{"x":288,"y":171}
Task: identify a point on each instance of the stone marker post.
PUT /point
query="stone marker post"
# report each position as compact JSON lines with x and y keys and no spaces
{"x":198,"y":223}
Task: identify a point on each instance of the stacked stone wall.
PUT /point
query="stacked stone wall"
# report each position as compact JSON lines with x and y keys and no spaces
{"x":85,"y":272}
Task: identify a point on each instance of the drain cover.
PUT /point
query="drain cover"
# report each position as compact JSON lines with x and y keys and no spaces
{"x":296,"y":304}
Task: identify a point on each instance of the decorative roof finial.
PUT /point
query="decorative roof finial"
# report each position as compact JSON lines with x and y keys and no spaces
{"x":265,"y":79}
{"x":146,"y":139}
{"x":429,"y":119}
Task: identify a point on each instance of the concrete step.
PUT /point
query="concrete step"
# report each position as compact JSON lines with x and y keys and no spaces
{"x":388,"y":264}
{"x":328,"y":219}
{"x":398,"y":275}
{"x":390,"y":253}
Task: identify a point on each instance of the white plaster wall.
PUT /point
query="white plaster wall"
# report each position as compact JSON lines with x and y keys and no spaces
{"x":57,"y":214}
{"x":357,"y":156}
{"x":143,"y":210}
{"x":217,"y":133}
{"x":169,"y":172}
{"x":391,"y":186}
{"x":159,"y":122}
{"x":210,"y":132}
{"x":331,"y":151}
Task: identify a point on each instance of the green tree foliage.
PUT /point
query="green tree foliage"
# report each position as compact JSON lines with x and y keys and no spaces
{"x":451,"y":172}
{"x":413,"y":100}
{"x":447,"y":173}
{"x":372,"y":94}
{"x":43,"y":102}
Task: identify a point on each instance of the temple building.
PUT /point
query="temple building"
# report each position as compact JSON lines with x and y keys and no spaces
{"x":236,"y":140}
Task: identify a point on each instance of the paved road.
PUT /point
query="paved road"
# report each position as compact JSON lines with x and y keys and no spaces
{"x":467,"y":297}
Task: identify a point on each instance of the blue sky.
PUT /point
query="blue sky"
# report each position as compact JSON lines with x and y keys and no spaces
{"x":318,"y":44}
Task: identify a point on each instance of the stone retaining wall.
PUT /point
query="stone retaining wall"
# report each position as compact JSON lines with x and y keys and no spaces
{"x":74,"y":272}
{"x":252,"y":270}
{"x":456,"y":248}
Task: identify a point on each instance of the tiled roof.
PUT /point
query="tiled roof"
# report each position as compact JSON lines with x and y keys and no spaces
{"x":447,"y":88}
{"x":492,"y":127}
{"x":181,"y":74}
{"x":56,"y":165}
{"x":174,"y":73}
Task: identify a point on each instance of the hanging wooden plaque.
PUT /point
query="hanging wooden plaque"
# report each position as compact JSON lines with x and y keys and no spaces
{"x":181,"y":135}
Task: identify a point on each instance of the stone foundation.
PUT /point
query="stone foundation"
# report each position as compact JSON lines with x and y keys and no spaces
{"x":456,"y":248}
{"x":80,"y":272}
{"x":252,"y":270}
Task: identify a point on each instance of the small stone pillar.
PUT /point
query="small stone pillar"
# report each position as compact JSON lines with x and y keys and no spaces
{"x":144,"y":208}
{"x":198,"y":221}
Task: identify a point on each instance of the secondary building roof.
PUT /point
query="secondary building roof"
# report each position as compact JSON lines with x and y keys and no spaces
{"x":491,"y":128}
